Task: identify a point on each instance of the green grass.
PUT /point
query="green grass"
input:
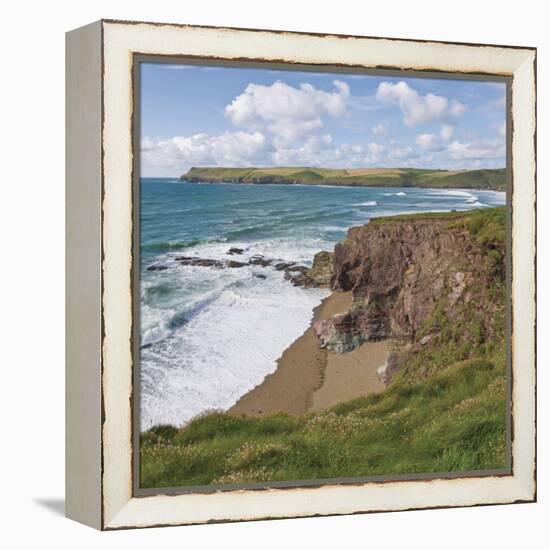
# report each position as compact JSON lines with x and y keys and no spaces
{"x":444,"y":412}
{"x":454,"y":421}
{"x":374,"y":177}
{"x":486,"y":226}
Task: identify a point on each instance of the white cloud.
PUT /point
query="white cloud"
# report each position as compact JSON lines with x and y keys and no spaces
{"x":374,"y":153}
{"x":434,"y":142}
{"x":419,"y":109}
{"x":456,"y":109}
{"x":343,"y":87}
{"x":402,"y":153}
{"x":288,"y":113}
{"x":314,"y":151}
{"x":230,"y":149}
{"x":282,"y":124}
{"x":429,"y":142}
{"x":478,"y":150}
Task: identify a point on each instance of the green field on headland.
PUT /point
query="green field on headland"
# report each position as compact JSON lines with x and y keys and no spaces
{"x":359,"y":177}
{"x":444,"y":410}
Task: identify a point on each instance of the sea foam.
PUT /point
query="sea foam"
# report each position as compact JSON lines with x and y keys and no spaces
{"x":208,"y":363}
{"x":367,"y":203}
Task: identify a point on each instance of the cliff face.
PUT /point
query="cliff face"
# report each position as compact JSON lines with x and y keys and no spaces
{"x":401,"y":269}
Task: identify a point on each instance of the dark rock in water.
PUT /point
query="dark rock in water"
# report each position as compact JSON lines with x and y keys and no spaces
{"x":201,"y":262}
{"x":298,"y":276}
{"x":322,"y":269}
{"x":232,"y":263}
{"x":303,"y":281}
{"x":297,"y":269}
{"x":156,"y":267}
{"x":260,"y":260}
{"x":259,"y":276}
{"x":206,"y":262}
{"x":284,"y":265}
{"x":209,"y":263}
{"x":235,"y":250}
{"x":184,"y":258}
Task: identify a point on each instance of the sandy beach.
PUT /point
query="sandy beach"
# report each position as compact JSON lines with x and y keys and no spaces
{"x":351,"y":375}
{"x":311,"y":378}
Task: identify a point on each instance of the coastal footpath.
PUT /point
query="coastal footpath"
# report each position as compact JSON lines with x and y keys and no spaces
{"x":358,"y":177}
{"x":429,"y":291}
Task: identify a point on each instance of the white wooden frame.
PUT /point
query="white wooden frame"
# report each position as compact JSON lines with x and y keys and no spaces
{"x":99,"y":266}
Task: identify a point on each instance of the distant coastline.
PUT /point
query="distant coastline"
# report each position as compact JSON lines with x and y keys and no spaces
{"x":491,"y":179}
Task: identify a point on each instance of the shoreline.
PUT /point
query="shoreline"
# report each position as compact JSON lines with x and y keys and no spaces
{"x":345,"y":186}
{"x":309,"y":378}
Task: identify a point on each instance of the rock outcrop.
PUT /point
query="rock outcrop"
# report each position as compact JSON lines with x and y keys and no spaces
{"x":322,"y":270}
{"x":298,"y":275}
{"x":398,"y":271}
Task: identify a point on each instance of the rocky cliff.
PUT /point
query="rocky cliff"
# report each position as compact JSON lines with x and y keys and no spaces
{"x":413,"y":276}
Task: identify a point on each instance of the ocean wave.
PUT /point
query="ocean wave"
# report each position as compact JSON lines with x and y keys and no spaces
{"x":172,"y":319}
{"x":165,"y":246}
{"x":398,"y":194}
{"x":368,"y":203}
{"x":214,"y":358}
{"x":333,"y":228}
{"x":450,"y":193}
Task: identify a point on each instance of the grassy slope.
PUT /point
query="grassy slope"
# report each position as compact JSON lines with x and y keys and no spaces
{"x":445,"y":410}
{"x":375,"y":177}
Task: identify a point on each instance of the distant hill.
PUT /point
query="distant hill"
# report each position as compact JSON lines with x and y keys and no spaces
{"x":356,"y":177}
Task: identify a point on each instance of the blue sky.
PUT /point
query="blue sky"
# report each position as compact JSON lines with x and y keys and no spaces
{"x":221,"y":116}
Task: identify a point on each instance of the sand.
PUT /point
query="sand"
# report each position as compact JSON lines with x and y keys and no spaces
{"x":310,"y":378}
{"x":351,"y":375}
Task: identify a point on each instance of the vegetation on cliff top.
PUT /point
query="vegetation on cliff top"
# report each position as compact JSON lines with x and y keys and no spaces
{"x":367,"y":177}
{"x":454,"y":421}
{"x":444,"y":412}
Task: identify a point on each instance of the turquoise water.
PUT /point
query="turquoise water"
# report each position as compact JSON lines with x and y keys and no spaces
{"x":209,"y":335}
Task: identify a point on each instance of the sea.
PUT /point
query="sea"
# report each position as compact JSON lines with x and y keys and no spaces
{"x":210,"y":335}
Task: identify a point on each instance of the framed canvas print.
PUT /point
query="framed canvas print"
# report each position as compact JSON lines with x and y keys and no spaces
{"x":300,"y":274}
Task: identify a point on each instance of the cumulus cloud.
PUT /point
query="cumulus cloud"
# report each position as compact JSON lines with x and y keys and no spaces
{"x":286,"y":112}
{"x":402,"y":154}
{"x":478,"y":150}
{"x":434,"y":142}
{"x":429,"y":142}
{"x":230,"y":149}
{"x":374,"y":152}
{"x":282,"y":124}
{"x":419,"y":109}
